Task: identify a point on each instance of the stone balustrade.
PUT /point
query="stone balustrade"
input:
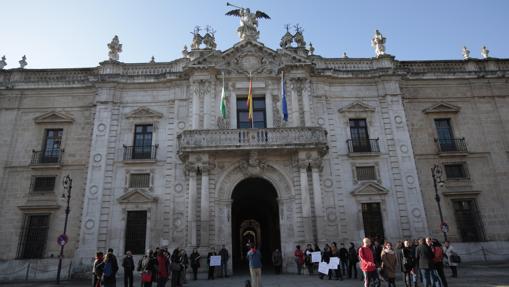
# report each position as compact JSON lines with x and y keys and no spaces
{"x":270,"y":138}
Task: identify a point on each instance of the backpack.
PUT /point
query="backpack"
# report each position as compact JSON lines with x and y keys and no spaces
{"x":108,"y":269}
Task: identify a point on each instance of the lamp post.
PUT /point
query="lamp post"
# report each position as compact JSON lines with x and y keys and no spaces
{"x":62,"y":239}
{"x":436,"y":173}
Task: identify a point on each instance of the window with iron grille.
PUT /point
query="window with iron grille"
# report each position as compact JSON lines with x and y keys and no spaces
{"x":34,"y":236}
{"x":365,"y":172}
{"x":456,"y":171}
{"x":139,"y":180}
{"x":136,"y":231}
{"x":259,"y":114}
{"x":43,"y":183}
{"x":468,"y":220}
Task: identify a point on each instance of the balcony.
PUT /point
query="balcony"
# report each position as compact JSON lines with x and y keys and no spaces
{"x":47,"y":158}
{"x":363,"y":147}
{"x":252,"y":139}
{"x":137,"y":154}
{"x":451,"y":146}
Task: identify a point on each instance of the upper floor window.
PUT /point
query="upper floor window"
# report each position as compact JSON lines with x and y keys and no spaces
{"x":259,"y":114}
{"x":139,"y":180}
{"x":52,"y":145}
{"x":365,"y":173}
{"x":456,"y":171}
{"x":43,"y":183}
{"x":142,"y":145}
{"x":360,"y":137}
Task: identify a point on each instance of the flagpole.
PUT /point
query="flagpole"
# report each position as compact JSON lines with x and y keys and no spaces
{"x":251,"y":102}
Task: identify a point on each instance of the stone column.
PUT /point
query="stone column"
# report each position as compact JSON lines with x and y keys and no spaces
{"x":317,"y":196}
{"x":208,"y":93}
{"x":233,"y":106}
{"x":306,"y":90}
{"x":204,"y":216}
{"x":306,"y":203}
{"x":268,"y":106}
{"x":295,"y":104}
{"x":196,"y":105}
{"x":191,"y":209}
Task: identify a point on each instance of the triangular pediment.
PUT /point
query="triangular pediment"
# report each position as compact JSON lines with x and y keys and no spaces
{"x":370,"y":189}
{"x":137,"y":196}
{"x":357,"y":107}
{"x":144,"y":112}
{"x":442,"y":107}
{"x":249,"y":57}
{"x":53,"y":117}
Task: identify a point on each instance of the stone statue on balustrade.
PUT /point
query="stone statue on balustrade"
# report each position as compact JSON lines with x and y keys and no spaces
{"x":248,"y":28}
{"x":3,"y":63}
{"x":115,"y":49}
{"x":378,"y":42}
{"x":299,"y":37}
{"x":209,"y":39}
{"x":466,"y":53}
{"x":23,"y":62}
{"x":287,"y":39}
{"x":485,"y":53}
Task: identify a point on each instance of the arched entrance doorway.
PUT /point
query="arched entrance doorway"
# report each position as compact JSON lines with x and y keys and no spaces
{"x":255,"y":218}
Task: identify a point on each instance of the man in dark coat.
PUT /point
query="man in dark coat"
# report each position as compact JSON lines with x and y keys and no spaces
{"x":128,"y":264}
{"x":114,"y":262}
{"x":224,"y":261}
{"x":424,"y":259}
{"x":343,"y":257}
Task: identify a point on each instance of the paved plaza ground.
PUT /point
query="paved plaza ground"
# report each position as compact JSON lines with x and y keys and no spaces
{"x":472,"y":274}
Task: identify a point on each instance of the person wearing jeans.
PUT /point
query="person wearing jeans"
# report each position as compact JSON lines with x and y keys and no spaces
{"x":424,"y":259}
{"x":255,"y":266}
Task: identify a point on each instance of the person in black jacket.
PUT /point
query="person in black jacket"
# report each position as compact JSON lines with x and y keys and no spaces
{"x":114,"y":262}
{"x":211,"y":268}
{"x":326,"y":255}
{"x":407,"y":261}
{"x":353,"y":258}
{"x":424,"y":259}
{"x":148,"y":265}
{"x":128,"y":264}
{"x":195,"y":263}
{"x":307,"y":258}
{"x":343,"y":258}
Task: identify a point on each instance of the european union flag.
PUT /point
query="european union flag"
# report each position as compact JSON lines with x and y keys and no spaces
{"x":283,"y":98}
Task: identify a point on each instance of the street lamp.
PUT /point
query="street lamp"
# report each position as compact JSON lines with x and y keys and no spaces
{"x":62,"y":239}
{"x":436,"y":173}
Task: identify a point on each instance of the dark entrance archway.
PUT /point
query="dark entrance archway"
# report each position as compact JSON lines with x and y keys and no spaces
{"x":255,"y":218}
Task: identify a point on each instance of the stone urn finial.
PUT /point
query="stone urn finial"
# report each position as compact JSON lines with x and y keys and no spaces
{"x":115,"y":49}
{"x":23,"y":62}
{"x":3,"y":63}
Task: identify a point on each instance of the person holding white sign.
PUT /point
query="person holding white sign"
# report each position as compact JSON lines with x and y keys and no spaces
{"x":211,"y":267}
{"x":335,"y":257}
{"x":326,"y":258}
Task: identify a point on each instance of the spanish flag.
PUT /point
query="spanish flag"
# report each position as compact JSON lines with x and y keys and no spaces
{"x":249,"y":102}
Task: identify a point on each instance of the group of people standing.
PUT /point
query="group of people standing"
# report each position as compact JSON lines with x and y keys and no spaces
{"x":155,"y":267}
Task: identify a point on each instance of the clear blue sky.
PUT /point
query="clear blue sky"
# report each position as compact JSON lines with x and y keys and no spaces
{"x":74,"y":33}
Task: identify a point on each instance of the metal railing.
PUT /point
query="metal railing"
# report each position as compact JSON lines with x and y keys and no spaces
{"x":147,"y":152}
{"x":363,"y":145}
{"x":451,"y":145}
{"x":47,"y":157}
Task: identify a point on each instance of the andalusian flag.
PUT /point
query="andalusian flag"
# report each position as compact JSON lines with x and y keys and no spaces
{"x":249,"y":102}
{"x":222,"y":106}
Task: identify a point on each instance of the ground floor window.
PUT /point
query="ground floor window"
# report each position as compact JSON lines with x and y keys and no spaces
{"x":468,"y":220}
{"x":34,"y":236}
{"x":372,"y":219}
{"x":136,"y":231}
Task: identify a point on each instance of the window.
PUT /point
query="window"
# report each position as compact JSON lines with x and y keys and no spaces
{"x":445,"y":135}
{"x":139,"y":180}
{"x":372,"y":219}
{"x":365,"y":172}
{"x":360,"y":138}
{"x":52,"y":144}
{"x":43,"y":183}
{"x":34,"y":236}
{"x":259,"y":114}
{"x":468,"y":220}
{"x":142,"y":146}
{"x":136,"y":231}
{"x":456,"y":171}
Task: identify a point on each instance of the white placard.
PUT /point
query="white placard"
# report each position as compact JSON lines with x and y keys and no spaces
{"x":316,"y":257}
{"x":215,"y":260}
{"x":323,"y":268}
{"x":333,"y":263}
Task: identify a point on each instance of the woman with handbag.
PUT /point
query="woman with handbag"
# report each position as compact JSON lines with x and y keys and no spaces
{"x":148,"y":268}
{"x":453,"y":259}
{"x":176,"y":267}
{"x":389,"y":262}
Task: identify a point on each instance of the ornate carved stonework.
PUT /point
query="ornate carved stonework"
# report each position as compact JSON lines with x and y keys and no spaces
{"x":253,"y":165}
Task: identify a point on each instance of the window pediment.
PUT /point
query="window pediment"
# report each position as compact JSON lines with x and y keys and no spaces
{"x":53,"y":117}
{"x":144,"y":112}
{"x":370,"y":189}
{"x":136,"y":196}
{"x":442,"y":107}
{"x":356,"y":107}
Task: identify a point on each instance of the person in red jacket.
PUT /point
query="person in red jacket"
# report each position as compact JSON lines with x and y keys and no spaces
{"x":368,"y":266}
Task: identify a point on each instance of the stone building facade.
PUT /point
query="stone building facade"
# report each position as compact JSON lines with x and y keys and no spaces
{"x":154,"y":163}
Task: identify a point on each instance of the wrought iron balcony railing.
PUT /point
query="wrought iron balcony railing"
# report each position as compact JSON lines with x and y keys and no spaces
{"x":47,"y":157}
{"x":267,"y":138}
{"x":363,"y":145}
{"x":451,"y":145}
{"x":147,"y":152}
